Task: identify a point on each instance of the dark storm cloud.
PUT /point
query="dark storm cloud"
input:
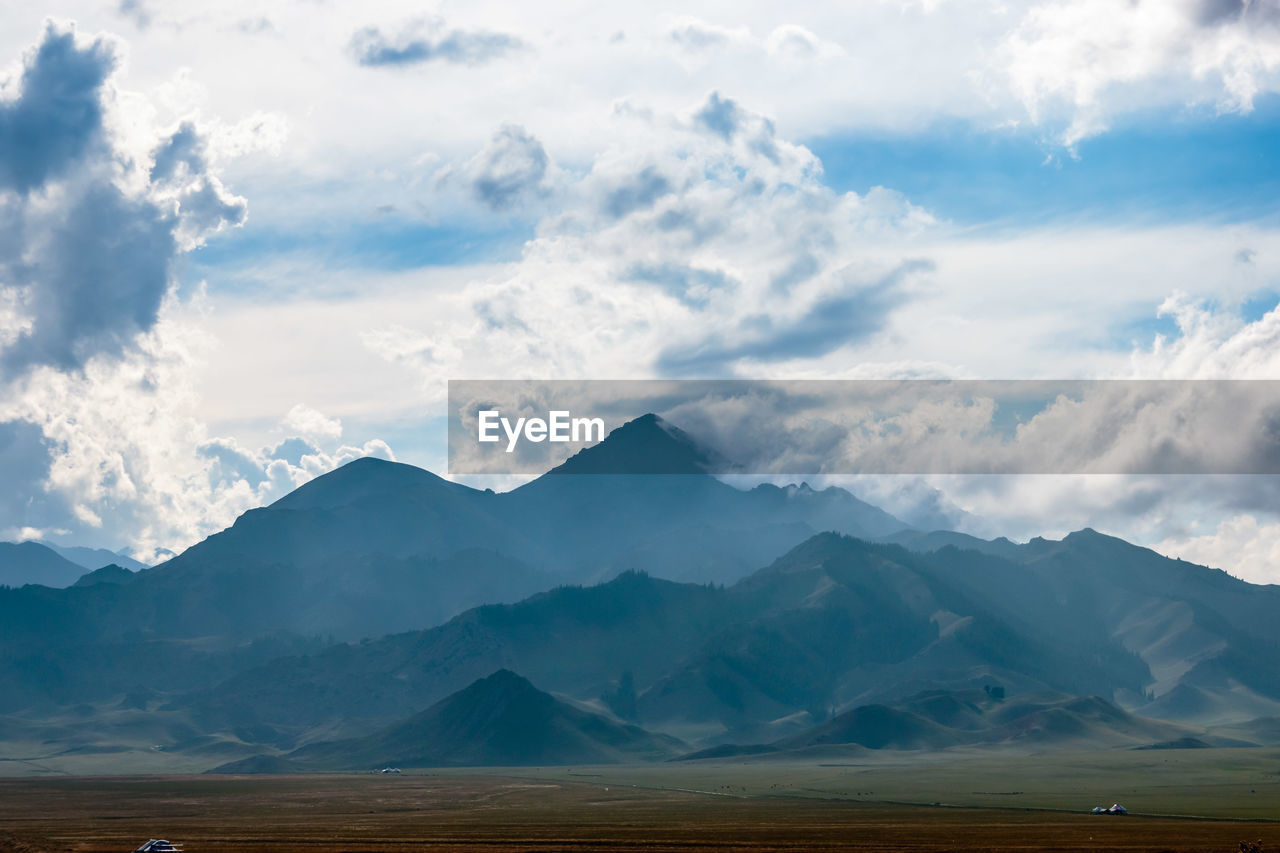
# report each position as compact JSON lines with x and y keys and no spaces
{"x":57,"y":118}
{"x":511,"y":167}
{"x":373,"y":48}
{"x":834,"y":321}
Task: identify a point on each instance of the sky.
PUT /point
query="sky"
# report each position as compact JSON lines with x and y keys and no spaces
{"x":243,"y":243}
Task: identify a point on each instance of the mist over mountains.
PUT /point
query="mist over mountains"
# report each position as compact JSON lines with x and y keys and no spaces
{"x":658,"y":613}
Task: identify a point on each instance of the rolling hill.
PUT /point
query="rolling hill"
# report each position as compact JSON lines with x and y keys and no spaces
{"x":500,"y":720}
{"x":936,"y":720}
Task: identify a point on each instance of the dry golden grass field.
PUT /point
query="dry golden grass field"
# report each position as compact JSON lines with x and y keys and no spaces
{"x":480,"y":812}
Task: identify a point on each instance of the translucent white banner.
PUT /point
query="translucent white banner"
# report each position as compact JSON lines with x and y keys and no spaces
{"x":866,"y":427}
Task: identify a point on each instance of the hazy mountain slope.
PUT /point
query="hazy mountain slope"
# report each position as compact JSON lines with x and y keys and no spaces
{"x":934,"y":540}
{"x":943,"y":719}
{"x":377,"y":547}
{"x":638,"y":500}
{"x":95,"y":558}
{"x":500,"y":720}
{"x":876,"y":727}
{"x":32,"y":563}
{"x":1207,"y":638}
{"x":833,"y":622}
{"x":576,"y":641}
{"x":1192,"y":626}
{"x":840,"y":622}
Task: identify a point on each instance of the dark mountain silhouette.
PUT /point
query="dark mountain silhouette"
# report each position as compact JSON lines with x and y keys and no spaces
{"x":32,"y":563}
{"x":500,"y":720}
{"x":107,"y":574}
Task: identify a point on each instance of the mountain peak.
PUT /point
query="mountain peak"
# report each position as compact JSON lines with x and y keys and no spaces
{"x":503,"y":680}
{"x":645,"y":445}
{"x":362,"y":478}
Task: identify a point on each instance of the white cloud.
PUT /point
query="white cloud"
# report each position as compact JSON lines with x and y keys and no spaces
{"x":1241,"y":545}
{"x":308,"y":423}
{"x":696,"y":35}
{"x":688,"y":223}
{"x":131,"y":460}
{"x":1098,"y":58}
{"x":100,"y":433}
{"x":1212,"y":344}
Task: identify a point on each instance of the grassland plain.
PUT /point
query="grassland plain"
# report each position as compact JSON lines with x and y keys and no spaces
{"x":984,"y":803}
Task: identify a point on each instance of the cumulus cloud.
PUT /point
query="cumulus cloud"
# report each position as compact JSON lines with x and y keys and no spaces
{"x":126,"y":457}
{"x":844,"y":317}
{"x":510,"y":168}
{"x":720,"y":115}
{"x":183,"y":151}
{"x":308,"y":422}
{"x":99,"y":436}
{"x":1211,"y":343}
{"x":700,"y":241}
{"x":58,"y":114}
{"x":636,"y":192}
{"x":136,"y":11}
{"x":92,"y":238}
{"x":1089,"y":59}
{"x":421,"y":42}
{"x":697,"y":39}
{"x":796,"y":42}
{"x":696,"y":35}
{"x":1241,"y":545}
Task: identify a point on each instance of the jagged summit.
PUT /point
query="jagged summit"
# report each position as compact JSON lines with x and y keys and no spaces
{"x":646,"y":445}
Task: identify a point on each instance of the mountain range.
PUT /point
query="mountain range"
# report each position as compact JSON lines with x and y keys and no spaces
{"x":669,"y":605}
{"x":55,"y":566}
